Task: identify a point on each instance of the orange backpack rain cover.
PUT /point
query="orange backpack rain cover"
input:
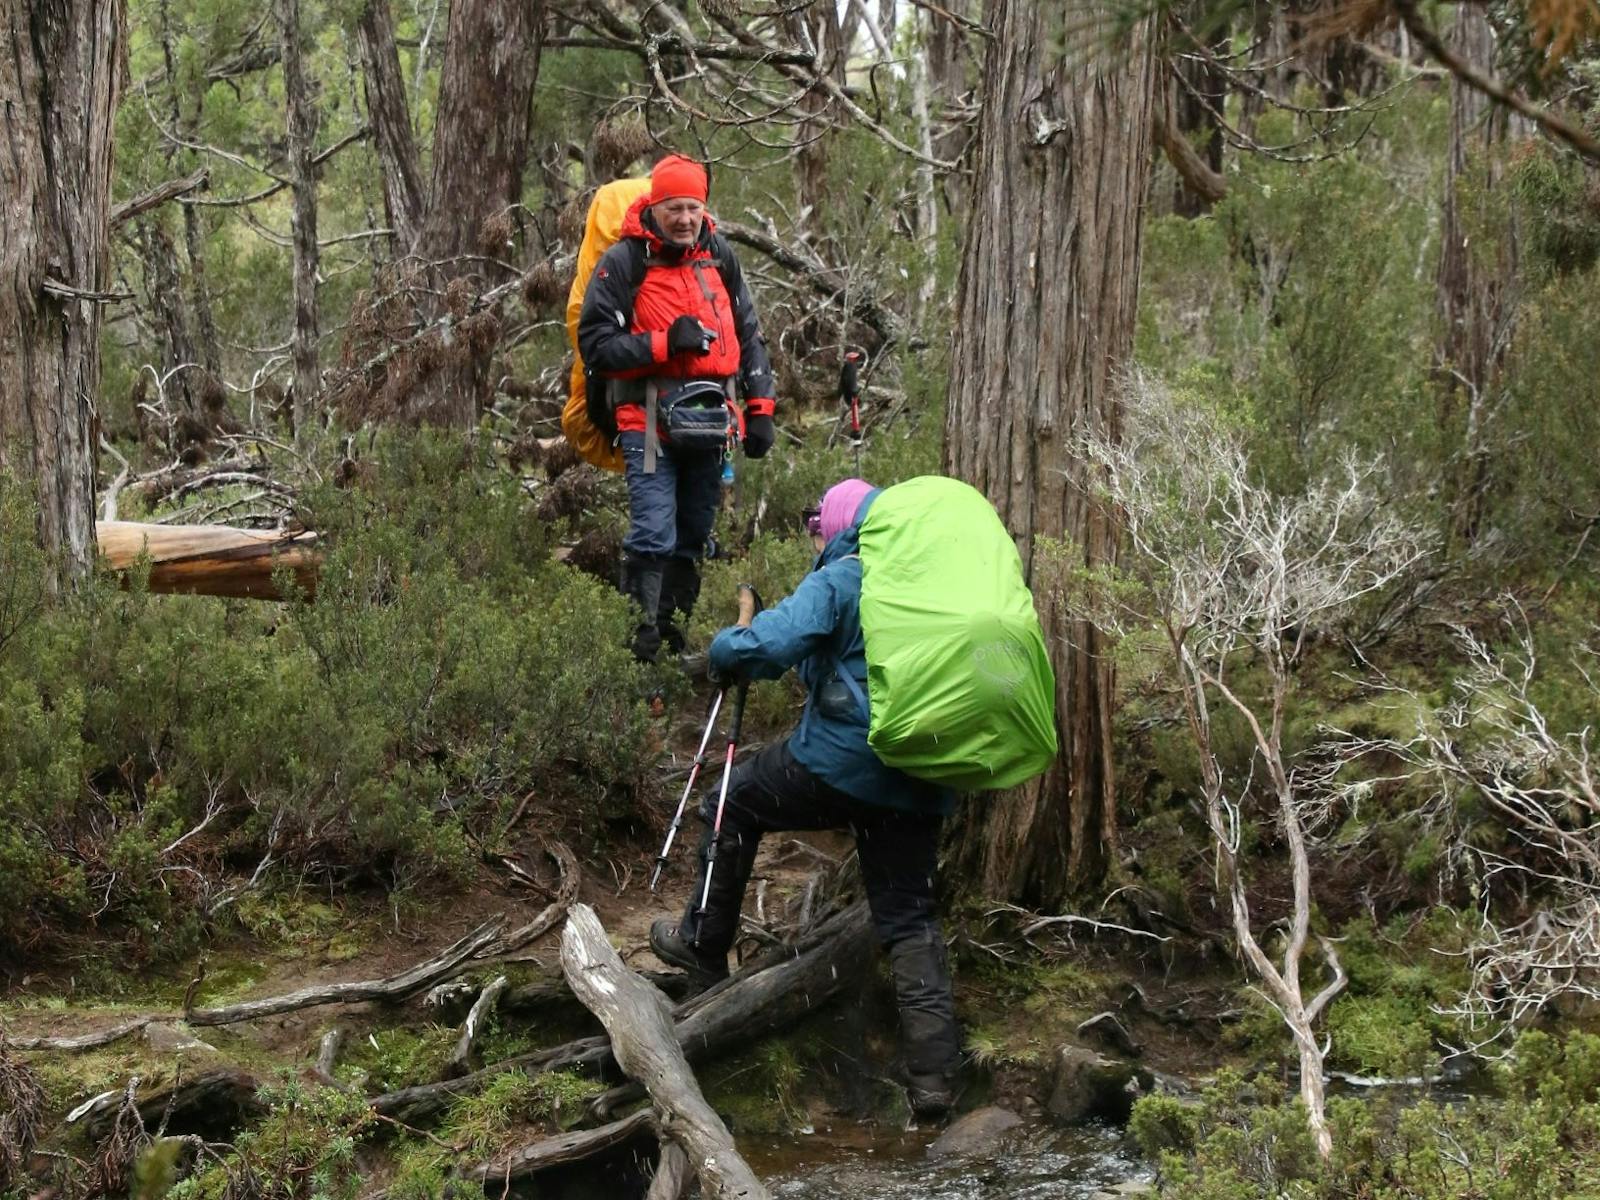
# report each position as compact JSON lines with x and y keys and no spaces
{"x":601,"y":229}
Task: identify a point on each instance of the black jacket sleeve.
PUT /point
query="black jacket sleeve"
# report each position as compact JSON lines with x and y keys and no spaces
{"x":603,"y":338}
{"x":755,"y":368}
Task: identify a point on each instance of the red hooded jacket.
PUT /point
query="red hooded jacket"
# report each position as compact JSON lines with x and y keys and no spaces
{"x":639,"y":288}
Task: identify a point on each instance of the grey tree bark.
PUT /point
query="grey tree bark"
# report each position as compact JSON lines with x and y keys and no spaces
{"x":480,"y":148}
{"x":1478,"y":276}
{"x":180,"y":365}
{"x":390,"y":118}
{"x":302,"y":134}
{"x":948,"y":66}
{"x":60,"y":78}
{"x":819,"y":26}
{"x":1049,"y":279}
{"x":205,"y":325}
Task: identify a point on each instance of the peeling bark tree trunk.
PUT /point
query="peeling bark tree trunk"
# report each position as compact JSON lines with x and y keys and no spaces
{"x":390,"y":119}
{"x":480,"y":147}
{"x":947,"y":55}
{"x":1048,"y":284}
{"x":1198,"y":88}
{"x":210,"y":348}
{"x":818,"y":24}
{"x":164,"y":293}
{"x":1477,"y":281}
{"x":302,"y":133}
{"x":60,"y":76}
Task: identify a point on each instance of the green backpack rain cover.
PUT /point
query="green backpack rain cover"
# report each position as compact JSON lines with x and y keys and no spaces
{"x":962,"y":690}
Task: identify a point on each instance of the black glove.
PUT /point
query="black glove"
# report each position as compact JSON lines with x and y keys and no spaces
{"x":758,"y":435}
{"x":687,"y":336}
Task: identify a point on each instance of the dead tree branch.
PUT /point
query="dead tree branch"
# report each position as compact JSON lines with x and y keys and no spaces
{"x":395,"y":987}
{"x":571,"y":1147}
{"x":1553,"y":123}
{"x":1222,"y":568}
{"x":159,"y":195}
{"x":482,"y":1009}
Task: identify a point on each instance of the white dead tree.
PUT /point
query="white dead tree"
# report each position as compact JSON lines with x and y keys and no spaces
{"x":1226,"y":575}
{"x":1538,"y":935}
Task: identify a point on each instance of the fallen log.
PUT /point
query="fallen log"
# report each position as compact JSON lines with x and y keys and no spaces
{"x":83,"y":1041}
{"x":762,"y":998}
{"x":212,"y":1105}
{"x":395,"y":987}
{"x":570,"y":1147}
{"x":211,"y":560}
{"x":737,"y":1013}
{"x":544,"y":994}
{"x":645,"y":1044}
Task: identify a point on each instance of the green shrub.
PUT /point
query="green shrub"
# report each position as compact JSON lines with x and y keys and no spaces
{"x":446,"y":669}
{"x":304,"y":1149}
{"x":1537,"y":1138}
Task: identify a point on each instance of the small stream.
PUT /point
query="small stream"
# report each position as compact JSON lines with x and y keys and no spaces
{"x":875,"y":1164}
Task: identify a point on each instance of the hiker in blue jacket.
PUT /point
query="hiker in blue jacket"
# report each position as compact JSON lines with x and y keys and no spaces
{"x":826,"y":776}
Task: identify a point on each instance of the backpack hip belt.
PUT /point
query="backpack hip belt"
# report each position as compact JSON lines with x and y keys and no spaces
{"x":680,"y":415}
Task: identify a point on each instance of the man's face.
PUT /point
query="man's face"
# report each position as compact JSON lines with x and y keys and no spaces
{"x":679,"y":219}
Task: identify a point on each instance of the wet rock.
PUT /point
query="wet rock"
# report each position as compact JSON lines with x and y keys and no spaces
{"x":1106,"y":1030}
{"x":981,"y":1131}
{"x":175,"y":1038}
{"x":1086,"y":1084}
{"x":1125,"y":1190}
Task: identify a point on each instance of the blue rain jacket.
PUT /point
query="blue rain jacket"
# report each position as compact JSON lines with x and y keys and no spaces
{"x":817,"y":629}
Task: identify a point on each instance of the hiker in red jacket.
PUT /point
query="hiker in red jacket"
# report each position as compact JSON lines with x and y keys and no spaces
{"x":669,"y":329}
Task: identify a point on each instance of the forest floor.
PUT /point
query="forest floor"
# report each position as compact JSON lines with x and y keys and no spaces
{"x":1018,"y":1009}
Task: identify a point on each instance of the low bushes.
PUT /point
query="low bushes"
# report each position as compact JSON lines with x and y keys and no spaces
{"x":156,"y":751}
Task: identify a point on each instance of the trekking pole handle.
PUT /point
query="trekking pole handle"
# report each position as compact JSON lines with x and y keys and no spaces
{"x":749,"y":603}
{"x":849,"y":376}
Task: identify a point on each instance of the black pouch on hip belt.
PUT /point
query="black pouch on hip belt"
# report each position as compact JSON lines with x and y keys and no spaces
{"x":692,"y":415}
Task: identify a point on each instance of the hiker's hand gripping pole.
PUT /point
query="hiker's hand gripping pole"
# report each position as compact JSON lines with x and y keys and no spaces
{"x":749,"y":605}
{"x":694,"y":773}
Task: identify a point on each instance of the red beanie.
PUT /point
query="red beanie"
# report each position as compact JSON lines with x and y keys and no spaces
{"x":676,"y":176}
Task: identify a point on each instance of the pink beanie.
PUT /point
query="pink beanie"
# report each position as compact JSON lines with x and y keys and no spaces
{"x":840,"y":504}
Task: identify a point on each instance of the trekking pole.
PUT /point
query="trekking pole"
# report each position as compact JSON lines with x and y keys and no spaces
{"x":850,"y":394}
{"x":694,"y":773}
{"x":749,"y":605}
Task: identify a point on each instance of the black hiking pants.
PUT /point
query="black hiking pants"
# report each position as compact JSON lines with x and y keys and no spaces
{"x":771,"y":793}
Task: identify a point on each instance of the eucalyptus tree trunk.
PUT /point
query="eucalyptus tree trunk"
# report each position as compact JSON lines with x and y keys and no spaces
{"x":209,"y":345}
{"x":180,"y":364}
{"x":1049,"y":279}
{"x":1478,"y":273}
{"x":60,"y":77}
{"x":390,"y":119}
{"x":948,"y":51}
{"x":302,"y":134}
{"x":818,"y":25}
{"x":1199,"y":94}
{"x":480,"y":148}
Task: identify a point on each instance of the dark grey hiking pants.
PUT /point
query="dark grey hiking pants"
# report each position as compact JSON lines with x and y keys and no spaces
{"x":771,"y":792}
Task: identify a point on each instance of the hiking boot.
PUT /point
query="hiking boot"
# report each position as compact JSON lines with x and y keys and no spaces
{"x":930,"y":1096}
{"x":641,"y":583}
{"x":930,"y":1038}
{"x":672,"y":948}
{"x":680,"y":588}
